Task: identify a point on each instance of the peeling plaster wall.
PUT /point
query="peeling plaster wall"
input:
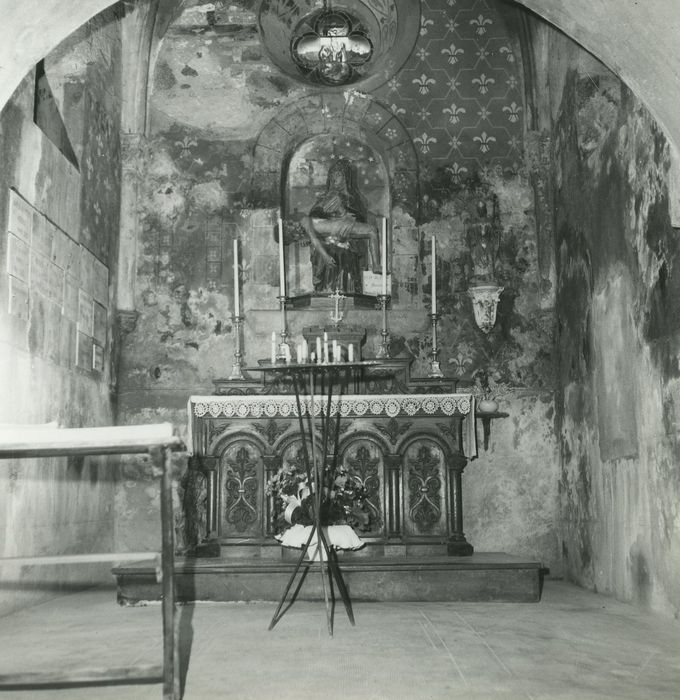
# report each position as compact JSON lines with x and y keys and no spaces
{"x":617,"y":307}
{"x":57,"y":505}
{"x":210,"y":171}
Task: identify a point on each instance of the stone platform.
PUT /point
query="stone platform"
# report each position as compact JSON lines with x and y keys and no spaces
{"x":481,"y":577}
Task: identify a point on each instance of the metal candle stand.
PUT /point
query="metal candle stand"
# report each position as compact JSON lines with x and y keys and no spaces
{"x":383,"y":350}
{"x":435,"y":369}
{"x":283,"y":354}
{"x":236,"y":372}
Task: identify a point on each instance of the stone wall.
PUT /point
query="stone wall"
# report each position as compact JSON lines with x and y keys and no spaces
{"x":59,"y":203}
{"x":617,"y":337}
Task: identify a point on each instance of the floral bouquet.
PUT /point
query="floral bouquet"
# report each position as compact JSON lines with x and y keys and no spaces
{"x":343,"y":498}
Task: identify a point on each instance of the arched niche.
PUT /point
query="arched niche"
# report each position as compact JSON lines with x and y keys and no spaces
{"x":355,"y":225}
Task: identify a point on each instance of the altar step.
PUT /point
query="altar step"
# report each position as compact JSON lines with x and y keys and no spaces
{"x":481,"y":577}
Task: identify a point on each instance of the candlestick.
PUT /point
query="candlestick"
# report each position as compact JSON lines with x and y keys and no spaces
{"x":434,"y":276}
{"x":318,"y":349}
{"x":350,"y":352}
{"x":237,"y":305}
{"x":383,"y":351}
{"x":435,"y":367}
{"x":236,"y":372}
{"x":325,"y":346}
{"x":282,"y":265}
{"x":383,"y":253}
{"x":273,"y":347}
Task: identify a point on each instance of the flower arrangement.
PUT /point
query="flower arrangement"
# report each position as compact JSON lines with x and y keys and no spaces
{"x":343,"y":498}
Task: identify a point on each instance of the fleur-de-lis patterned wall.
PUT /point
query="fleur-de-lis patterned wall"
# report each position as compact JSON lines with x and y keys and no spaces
{"x":459,"y":94}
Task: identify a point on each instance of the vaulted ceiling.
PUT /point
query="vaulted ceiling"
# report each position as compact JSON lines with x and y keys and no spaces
{"x":635,"y":39}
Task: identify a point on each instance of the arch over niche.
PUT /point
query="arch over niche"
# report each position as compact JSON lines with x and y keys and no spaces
{"x":293,"y":157}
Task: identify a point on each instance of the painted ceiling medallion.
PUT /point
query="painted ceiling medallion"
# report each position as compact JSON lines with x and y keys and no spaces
{"x":335,"y":48}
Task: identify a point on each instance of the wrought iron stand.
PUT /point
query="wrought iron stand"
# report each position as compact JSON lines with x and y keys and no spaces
{"x":330,"y":377}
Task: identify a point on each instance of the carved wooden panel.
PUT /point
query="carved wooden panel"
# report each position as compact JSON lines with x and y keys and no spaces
{"x":242,"y":485}
{"x":424,"y":482}
{"x":364,"y":460}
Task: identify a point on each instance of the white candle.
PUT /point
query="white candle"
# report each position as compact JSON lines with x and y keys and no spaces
{"x":383,"y":252}
{"x":237,"y":304}
{"x":350,"y":352}
{"x":325,"y":346}
{"x":318,"y":349}
{"x":434,"y":276}
{"x":273,"y":347}
{"x":282,"y":265}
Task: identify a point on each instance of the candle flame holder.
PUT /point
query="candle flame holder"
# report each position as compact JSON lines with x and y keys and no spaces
{"x":435,"y":368}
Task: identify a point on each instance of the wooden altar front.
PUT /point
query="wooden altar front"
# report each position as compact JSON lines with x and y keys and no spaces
{"x":408,"y":450}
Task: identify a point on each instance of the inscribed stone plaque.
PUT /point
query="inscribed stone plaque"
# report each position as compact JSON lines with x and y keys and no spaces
{"x":18,"y":298}
{"x":38,"y":281}
{"x":67,"y":342}
{"x":85,"y":313}
{"x":60,"y":247}
{"x":72,"y":264}
{"x":51,"y":348}
{"x":18,"y":257}
{"x":20,"y":220}
{"x":101,"y":282}
{"x":99,"y":323}
{"x":97,"y":357}
{"x":70,"y":307}
{"x":55,"y":284}
{"x":86,"y":271}
{"x":84,"y":351}
{"x":41,"y":240}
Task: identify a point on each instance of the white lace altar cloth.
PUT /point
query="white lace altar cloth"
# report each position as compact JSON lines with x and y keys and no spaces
{"x":347,"y":405}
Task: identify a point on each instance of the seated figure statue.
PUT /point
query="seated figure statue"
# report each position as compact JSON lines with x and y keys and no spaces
{"x":343,"y":242}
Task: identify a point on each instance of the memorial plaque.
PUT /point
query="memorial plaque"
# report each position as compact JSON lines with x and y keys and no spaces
{"x":55,"y":284}
{"x":86,"y":275}
{"x":72,"y":264}
{"x":39,"y":273}
{"x":67,"y":342}
{"x":101,"y":282}
{"x":20,"y":219}
{"x":52,"y":321}
{"x":97,"y":358}
{"x":85,"y":313}
{"x":60,"y":248}
{"x":18,"y":298}
{"x":18,"y":257}
{"x":41,"y":240}
{"x":71,"y":292}
{"x":84,"y":351}
{"x":99,"y":323}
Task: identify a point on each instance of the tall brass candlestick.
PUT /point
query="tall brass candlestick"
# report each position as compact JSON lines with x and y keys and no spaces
{"x":383,"y":350}
{"x":236,"y":372}
{"x":283,"y":353}
{"x":435,"y":369}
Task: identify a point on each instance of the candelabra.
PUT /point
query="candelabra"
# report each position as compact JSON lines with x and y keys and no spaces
{"x":236,"y":372}
{"x":383,"y":350}
{"x":435,"y":369}
{"x":283,"y":352}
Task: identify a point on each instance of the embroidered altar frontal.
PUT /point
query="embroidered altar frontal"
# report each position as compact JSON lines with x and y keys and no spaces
{"x":407,"y":450}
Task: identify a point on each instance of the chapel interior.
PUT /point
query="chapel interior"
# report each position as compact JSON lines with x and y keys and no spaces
{"x":506,"y":254}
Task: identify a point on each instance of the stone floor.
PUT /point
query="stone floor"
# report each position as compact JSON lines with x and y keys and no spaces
{"x":573,"y":644}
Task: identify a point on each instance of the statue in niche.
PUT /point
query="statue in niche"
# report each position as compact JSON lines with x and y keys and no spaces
{"x":343,"y":242}
{"x":483,"y":241}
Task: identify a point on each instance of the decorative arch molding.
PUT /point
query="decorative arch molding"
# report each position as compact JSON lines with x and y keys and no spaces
{"x":352,"y":114}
